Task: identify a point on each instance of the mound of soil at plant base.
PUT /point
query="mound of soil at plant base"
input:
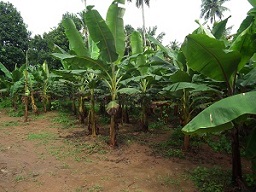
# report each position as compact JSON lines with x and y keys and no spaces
{"x":43,"y":156}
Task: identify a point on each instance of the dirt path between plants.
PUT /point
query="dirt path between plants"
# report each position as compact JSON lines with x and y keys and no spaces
{"x":41,"y":156}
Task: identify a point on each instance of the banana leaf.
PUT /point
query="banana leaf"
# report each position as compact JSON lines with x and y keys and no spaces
{"x":137,"y":50}
{"x":76,"y":42}
{"x":245,"y":44}
{"x":7,"y":73}
{"x":189,"y":86}
{"x":101,"y":35}
{"x":219,"y":28}
{"x":129,"y":91}
{"x":115,"y":23}
{"x":209,"y":57}
{"x":220,"y":115}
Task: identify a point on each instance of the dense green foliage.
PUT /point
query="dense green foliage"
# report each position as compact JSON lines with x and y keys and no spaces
{"x":14,"y":36}
{"x":99,"y":62}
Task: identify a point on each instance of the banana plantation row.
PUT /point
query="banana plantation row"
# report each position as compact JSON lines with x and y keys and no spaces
{"x":209,"y":74}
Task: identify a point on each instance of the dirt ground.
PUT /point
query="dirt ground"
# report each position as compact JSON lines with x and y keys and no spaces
{"x":42,"y":156}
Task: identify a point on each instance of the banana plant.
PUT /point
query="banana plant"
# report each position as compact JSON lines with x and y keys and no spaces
{"x":204,"y":54}
{"x":142,"y":70}
{"x":13,"y":82}
{"x":109,"y":37}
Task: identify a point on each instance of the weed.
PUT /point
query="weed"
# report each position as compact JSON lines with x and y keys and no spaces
{"x":219,"y":143}
{"x":65,"y":166}
{"x":5,"y":103}
{"x":41,"y":136}
{"x":64,"y":119}
{"x":10,"y":123}
{"x":158,"y":125}
{"x":16,"y":113}
{"x":211,"y":179}
{"x":167,"y":180}
{"x":19,"y":178}
{"x":250,"y":179}
{"x":95,"y":188}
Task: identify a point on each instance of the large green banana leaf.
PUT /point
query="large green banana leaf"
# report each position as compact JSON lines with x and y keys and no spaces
{"x":115,"y":23}
{"x":76,"y":42}
{"x":208,"y":56}
{"x":101,"y":35}
{"x":220,"y":115}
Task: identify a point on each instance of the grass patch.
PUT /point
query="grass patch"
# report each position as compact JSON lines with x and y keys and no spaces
{"x":41,"y":136}
{"x":173,"y":146}
{"x":211,"y":179}
{"x":10,"y":123}
{"x":95,"y":188}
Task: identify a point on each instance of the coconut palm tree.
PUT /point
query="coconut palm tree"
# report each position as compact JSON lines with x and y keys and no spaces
{"x":212,"y":8}
{"x":140,"y":4}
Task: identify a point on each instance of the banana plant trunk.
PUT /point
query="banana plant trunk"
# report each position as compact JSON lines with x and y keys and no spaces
{"x":113,"y":142}
{"x":25,"y":101}
{"x":33,"y":103}
{"x":81,"y":110}
{"x":186,"y":117}
{"x":144,"y":116}
{"x":237,"y":178}
{"x":92,"y":119}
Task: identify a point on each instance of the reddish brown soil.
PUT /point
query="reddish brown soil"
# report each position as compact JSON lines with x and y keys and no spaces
{"x":68,"y":160}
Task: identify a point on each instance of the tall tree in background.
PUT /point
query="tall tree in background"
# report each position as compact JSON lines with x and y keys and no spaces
{"x":141,"y":4}
{"x":14,"y":37}
{"x":212,"y":8}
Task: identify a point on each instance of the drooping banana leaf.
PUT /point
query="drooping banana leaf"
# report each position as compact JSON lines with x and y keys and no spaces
{"x":7,"y":73}
{"x":129,"y":91}
{"x":81,"y":62}
{"x":189,"y":86}
{"x":220,"y":115}
{"x":76,"y":42}
{"x":101,"y":35}
{"x":209,"y":57}
{"x":115,"y":23}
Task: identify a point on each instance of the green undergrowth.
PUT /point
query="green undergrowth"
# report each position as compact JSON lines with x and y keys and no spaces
{"x":172,"y":147}
{"x":65,"y":120}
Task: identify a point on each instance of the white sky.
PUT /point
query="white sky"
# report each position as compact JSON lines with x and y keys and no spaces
{"x":175,"y":18}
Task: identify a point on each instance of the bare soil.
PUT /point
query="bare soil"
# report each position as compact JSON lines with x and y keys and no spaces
{"x":42,"y":156}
